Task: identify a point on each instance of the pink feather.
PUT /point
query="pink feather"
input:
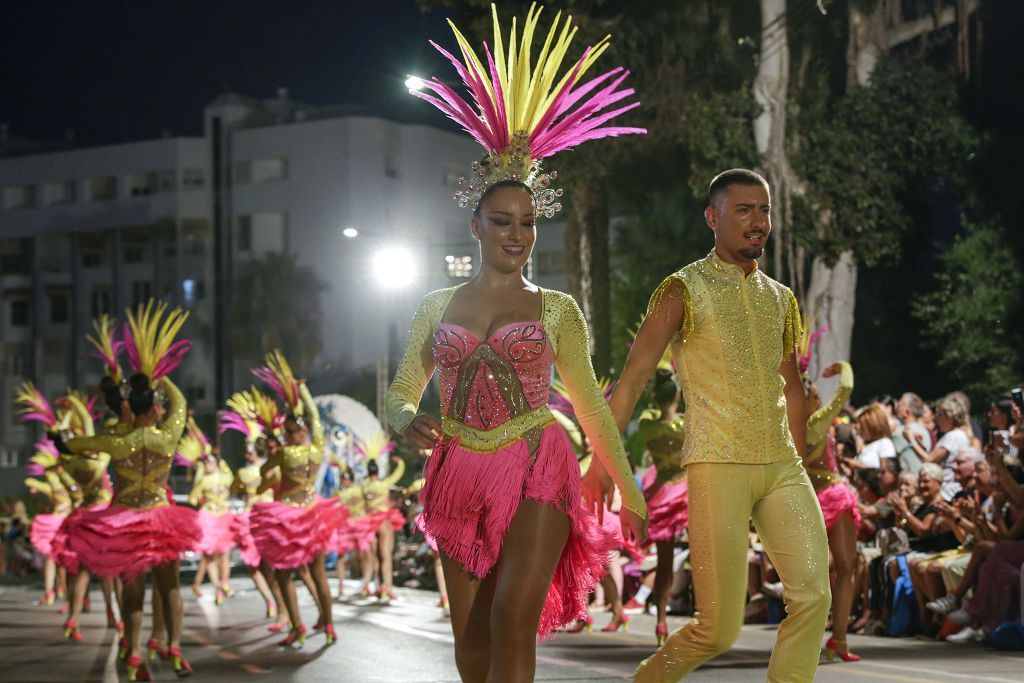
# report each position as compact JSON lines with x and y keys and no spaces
{"x":34,"y":469}
{"x":172,"y":359}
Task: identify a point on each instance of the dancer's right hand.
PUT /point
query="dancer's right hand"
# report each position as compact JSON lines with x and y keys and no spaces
{"x":424,"y":431}
{"x":634,"y":527}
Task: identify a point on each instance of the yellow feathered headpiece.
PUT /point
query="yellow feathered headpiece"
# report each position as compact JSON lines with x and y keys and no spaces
{"x":149,"y":339}
{"x":193,"y":445}
{"x":108,"y":347}
{"x":525,"y":110}
{"x":35,"y":406}
{"x":277,"y":375}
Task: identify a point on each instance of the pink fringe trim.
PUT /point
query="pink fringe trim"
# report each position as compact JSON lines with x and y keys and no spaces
{"x":611,"y":524}
{"x":217,"y":533}
{"x":119,"y":541}
{"x":44,"y":529}
{"x":667,"y":508}
{"x":244,"y":541}
{"x":835,"y":500}
{"x":287,"y":536}
{"x":469,"y":501}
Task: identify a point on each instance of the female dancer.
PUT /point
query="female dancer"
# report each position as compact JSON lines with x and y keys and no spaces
{"x":503,"y":494}
{"x":298,"y":527}
{"x":45,"y":478}
{"x":665,"y":486}
{"x":435,"y":555}
{"x":356,"y":535}
{"x":244,"y":416}
{"x":838,"y":502}
{"x":141,"y":532}
{"x":89,"y":470}
{"x":383,"y":520}
{"x":210,"y":493}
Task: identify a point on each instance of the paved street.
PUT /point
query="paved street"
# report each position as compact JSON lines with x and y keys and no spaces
{"x":409,"y":642}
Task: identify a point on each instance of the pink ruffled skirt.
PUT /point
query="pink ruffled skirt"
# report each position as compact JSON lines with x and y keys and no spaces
{"x":45,"y":529}
{"x":63,"y":553}
{"x":375,"y":520}
{"x":242,"y":532}
{"x":217,"y":533}
{"x":835,"y":500}
{"x":612,"y":526}
{"x":288,"y":536}
{"x":356,"y":534}
{"x":469,"y":500}
{"x":667,"y":508}
{"x":119,"y":541}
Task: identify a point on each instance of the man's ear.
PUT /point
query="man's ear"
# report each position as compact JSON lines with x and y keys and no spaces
{"x":711,"y":217}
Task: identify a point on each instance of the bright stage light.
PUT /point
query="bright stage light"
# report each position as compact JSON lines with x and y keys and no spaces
{"x":350,"y":232}
{"x":414,"y":83}
{"x":394,"y":268}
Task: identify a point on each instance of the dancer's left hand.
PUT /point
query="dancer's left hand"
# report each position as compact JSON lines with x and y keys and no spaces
{"x":598,"y":489}
{"x":634,"y":527}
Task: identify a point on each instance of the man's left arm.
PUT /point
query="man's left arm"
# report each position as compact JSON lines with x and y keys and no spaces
{"x":795,"y":410}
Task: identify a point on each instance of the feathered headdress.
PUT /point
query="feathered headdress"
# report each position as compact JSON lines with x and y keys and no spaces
{"x":805,"y":349}
{"x":108,"y":347}
{"x":46,"y":457}
{"x":149,"y":339}
{"x":277,"y":375}
{"x":524,"y":111}
{"x":558,"y":396}
{"x":193,"y":445}
{"x":35,"y":406}
{"x":82,"y":408}
{"x":242,"y":416}
{"x":374,"y":446}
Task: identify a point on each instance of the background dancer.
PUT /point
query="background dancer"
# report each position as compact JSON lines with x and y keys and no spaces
{"x":383,"y":520}
{"x":141,"y":532}
{"x":502,"y":495}
{"x":734,"y":333}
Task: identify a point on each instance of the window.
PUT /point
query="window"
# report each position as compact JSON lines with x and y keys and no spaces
{"x":261,"y":170}
{"x":459,"y":266}
{"x":245,"y":233}
{"x":166,"y":180}
{"x":14,"y":359}
{"x":58,"y":193}
{"x":188,"y":292}
{"x":193,"y":179}
{"x":99,"y":301}
{"x":53,"y":362}
{"x":21,"y":197}
{"x":142,"y":184}
{"x":142,"y":291}
{"x":133,"y":253}
{"x":195,"y":393}
{"x":59,"y":308}
{"x":92,"y":258}
{"x":550,"y":263}
{"x":102,"y":188}
{"x":9,"y":458}
{"x":20,"y":313}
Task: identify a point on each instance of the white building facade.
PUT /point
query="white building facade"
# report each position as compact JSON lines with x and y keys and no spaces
{"x":90,"y":231}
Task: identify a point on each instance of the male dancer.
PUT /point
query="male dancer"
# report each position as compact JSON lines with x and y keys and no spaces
{"x":734,"y":333}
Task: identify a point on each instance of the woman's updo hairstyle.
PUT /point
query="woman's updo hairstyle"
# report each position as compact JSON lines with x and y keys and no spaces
{"x":142,"y":395}
{"x":497,"y":186}
{"x":111,"y":391}
{"x":665,"y":389}
{"x":372,"y":469}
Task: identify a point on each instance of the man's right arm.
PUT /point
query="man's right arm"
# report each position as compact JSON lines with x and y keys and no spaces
{"x":664,"y":318}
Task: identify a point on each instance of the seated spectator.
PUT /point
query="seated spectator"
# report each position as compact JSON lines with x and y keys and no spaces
{"x":875,"y":438}
{"x":911,"y":410}
{"x":951,"y":417}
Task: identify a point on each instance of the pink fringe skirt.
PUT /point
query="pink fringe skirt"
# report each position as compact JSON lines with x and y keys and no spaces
{"x":469,"y":500}
{"x":667,"y":508}
{"x":119,"y":541}
{"x":63,"y":553}
{"x":217,"y":533}
{"x":835,"y":500}
{"x":612,"y":526}
{"x":240,"y":529}
{"x":288,"y":536}
{"x":44,"y":531}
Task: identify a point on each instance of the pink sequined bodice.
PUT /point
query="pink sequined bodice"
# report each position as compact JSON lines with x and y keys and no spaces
{"x":485,"y":383}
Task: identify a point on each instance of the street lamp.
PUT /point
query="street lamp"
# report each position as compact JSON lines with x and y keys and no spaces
{"x":415,"y":83}
{"x":394,"y":267}
{"x":350,"y":232}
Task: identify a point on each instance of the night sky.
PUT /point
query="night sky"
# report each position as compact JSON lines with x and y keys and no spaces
{"x":118,"y":71}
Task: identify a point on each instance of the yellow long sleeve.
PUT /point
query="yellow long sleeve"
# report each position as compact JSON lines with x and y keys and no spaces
{"x":417,"y":365}
{"x":316,"y":429}
{"x":572,"y":346}
{"x":821,"y":420}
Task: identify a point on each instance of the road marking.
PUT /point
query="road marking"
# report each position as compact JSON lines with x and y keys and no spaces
{"x":943,"y":675}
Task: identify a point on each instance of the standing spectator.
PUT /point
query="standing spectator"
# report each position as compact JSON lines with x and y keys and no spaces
{"x":874,"y":432}
{"x":911,"y":411}
{"x":951,"y":417}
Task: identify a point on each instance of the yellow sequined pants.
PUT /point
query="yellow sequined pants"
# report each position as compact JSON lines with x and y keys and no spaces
{"x":780,"y":499}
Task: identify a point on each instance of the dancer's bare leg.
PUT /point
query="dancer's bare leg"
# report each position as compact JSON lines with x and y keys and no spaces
{"x":663,"y":578}
{"x":166,"y":585}
{"x":529,"y":556}
{"x":842,"y":541}
{"x":470,"y":600}
{"x":197,"y":583}
{"x":159,"y":632}
{"x":263,"y":587}
{"x":341,"y":569}
{"x":307,"y":580}
{"x":318,"y":569}
{"x":291,"y":600}
{"x":134,"y":596}
{"x":79,"y":588}
{"x":386,"y":541}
